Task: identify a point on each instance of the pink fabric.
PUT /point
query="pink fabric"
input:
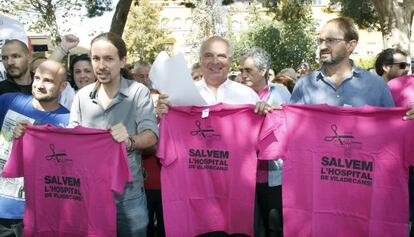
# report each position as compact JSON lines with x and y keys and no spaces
{"x":262,"y":175}
{"x":263,"y":94}
{"x":70,"y":176}
{"x":402,"y":90}
{"x":209,"y":167}
{"x":345,"y":170}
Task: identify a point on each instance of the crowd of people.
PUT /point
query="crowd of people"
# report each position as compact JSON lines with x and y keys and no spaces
{"x":100,"y":90}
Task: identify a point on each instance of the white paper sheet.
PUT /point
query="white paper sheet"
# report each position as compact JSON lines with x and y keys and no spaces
{"x":171,"y":76}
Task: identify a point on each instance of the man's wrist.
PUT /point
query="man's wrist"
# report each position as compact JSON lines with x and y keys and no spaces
{"x":63,"y":49}
{"x":131,"y":144}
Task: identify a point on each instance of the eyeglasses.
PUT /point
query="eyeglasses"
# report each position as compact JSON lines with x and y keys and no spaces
{"x":329,"y":41}
{"x":402,"y":65}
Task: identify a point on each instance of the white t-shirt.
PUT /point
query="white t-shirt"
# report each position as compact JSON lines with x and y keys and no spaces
{"x":229,"y":92}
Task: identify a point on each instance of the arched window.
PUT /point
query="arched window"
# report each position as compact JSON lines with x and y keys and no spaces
{"x":178,"y":23}
{"x":165,"y":23}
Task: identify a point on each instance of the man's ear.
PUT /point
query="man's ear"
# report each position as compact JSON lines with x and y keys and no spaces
{"x":123,"y":62}
{"x":386,"y":68}
{"x":263,"y":72}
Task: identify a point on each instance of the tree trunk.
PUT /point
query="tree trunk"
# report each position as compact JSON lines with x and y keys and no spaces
{"x":396,"y":18}
{"x":120,"y":16}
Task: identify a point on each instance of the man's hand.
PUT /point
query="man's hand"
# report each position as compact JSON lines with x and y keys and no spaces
{"x":162,"y":105}
{"x":20,"y":128}
{"x":263,"y":108}
{"x":69,"y":42}
{"x":409,"y":115}
{"x":119,"y":133}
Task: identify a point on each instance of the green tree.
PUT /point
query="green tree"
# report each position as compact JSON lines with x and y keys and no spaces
{"x":289,"y":38}
{"x":42,"y":15}
{"x":143,"y":35}
{"x":394,"y":18}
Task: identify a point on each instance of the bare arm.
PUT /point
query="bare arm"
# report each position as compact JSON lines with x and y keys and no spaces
{"x":68,"y":42}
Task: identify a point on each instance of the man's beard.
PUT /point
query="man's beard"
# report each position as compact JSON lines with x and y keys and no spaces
{"x":20,"y":72}
{"x":333,"y":60}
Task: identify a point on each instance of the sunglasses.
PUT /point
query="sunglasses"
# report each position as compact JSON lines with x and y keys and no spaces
{"x":402,"y":65}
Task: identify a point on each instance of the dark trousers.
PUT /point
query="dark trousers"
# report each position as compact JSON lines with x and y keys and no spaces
{"x":154,"y":204}
{"x":11,"y":227}
{"x":268,"y":210}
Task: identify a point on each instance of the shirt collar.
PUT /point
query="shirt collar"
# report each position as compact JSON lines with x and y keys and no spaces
{"x":356,"y":71}
{"x":225,"y":84}
{"x":123,"y":89}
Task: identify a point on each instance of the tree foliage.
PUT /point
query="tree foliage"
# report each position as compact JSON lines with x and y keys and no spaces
{"x":394,"y":18}
{"x":97,"y":7}
{"x":143,"y":35}
{"x":363,"y":12}
{"x":289,"y":40}
{"x":43,"y":15}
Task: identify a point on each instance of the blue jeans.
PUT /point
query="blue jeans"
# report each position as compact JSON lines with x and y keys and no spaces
{"x":131,"y":212}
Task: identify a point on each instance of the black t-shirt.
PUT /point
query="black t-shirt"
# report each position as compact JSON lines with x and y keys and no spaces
{"x":9,"y":86}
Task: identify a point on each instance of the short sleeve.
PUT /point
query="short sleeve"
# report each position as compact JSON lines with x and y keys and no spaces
{"x":273,"y":136}
{"x":14,"y":165}
{"x":145,"y":110}
{"x":120,"y":173}
{"x":166,"y":148}
{"x":386,"y":98}
{"x":297,"y":93}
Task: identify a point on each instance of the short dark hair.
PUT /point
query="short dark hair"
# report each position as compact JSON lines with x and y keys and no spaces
{"x":347,"y":25}
{"x":19,"y":42}
{"x":195,"y":66}
{"x":73,"y":60}
{"x":386,"y":57}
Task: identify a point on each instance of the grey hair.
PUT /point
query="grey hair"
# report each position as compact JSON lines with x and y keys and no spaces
{"x":260,"y":57}
{"x":142,"y":64}
{"x":214,"y":39}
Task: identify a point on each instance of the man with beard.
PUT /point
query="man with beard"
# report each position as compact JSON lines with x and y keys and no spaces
{"x":392,"y":63}
{"x":125,"y":107}
{"x":15,"y":56}
{"x":41,"y":108}
{"x":339,"y":82}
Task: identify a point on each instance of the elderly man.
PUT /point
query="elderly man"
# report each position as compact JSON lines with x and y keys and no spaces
{"x":42,"y":108}
{"x":141,"y":72}
{"x":254,"y":69}
{"x":391,"y":63}
{"x":215,"y":61}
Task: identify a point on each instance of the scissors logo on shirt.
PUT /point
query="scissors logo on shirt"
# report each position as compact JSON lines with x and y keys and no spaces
{"x":206,"y":132}
{"x":345,"y":140}
{"x":60,"y":158}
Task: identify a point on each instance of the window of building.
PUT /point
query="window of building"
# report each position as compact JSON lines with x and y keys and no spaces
{"x":178,"y":23}
{"x":188,"y":23}
{"x":165,"y":23}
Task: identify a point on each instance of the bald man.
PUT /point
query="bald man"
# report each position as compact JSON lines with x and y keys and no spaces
{"x":42,"y":107}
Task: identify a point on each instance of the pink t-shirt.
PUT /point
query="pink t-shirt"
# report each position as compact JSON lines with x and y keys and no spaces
{"x":209,"y":167}
{"x":70,"y":176}
{"x":345,"y":170}
{"x":402,"y":90}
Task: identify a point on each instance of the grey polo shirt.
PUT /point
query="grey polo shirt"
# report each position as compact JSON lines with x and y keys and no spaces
{"x":132,"y":106}
{"x":360,"y":88}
